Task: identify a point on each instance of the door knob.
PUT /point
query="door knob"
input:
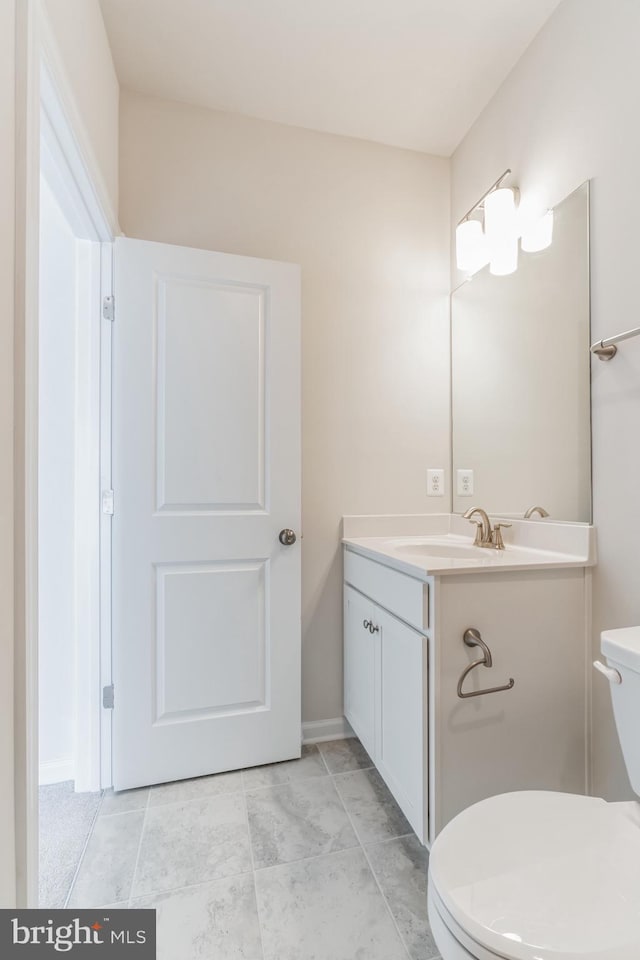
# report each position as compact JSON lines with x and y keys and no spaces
{"x":287,"y":537}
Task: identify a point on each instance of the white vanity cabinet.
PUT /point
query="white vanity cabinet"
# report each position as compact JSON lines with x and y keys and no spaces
{"x":401,"y":693}
{"x":360,"y":652}
{"x":404,"y":655}
{"x":385,"y":679}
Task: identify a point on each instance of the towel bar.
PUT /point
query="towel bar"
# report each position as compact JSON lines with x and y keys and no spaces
{"x":472,"y":638}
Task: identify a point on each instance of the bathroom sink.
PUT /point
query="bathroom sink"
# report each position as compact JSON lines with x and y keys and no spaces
{"x":431,"y":546}
{"x":441,"y":548}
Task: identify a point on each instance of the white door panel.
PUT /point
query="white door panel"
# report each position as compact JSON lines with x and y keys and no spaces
{"x":211,"y":356}
{"x":206,"y":461}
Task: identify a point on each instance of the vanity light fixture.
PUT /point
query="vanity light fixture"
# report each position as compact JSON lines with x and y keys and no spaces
{"x":538,"y":234}
{"x":501,"y":230}
{"x":471,"y":246}
{"x":490,"y":232}
{"x":504,"y":257}
{"x":500,"y":215}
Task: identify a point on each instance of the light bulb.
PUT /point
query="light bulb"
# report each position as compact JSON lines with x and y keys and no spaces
{"x":500,"y":216}
{"x":537,"y":235}
{"x":504,"y":257}
{"x":471,"y":246}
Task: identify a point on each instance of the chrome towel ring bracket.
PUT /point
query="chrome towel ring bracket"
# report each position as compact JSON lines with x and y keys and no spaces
{"x":472,"y":638}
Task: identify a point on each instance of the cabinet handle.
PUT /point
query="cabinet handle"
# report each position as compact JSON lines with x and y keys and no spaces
{"x":368,"y":625}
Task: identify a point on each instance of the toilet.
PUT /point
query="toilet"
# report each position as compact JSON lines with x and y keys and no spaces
{"x":536,"y":875}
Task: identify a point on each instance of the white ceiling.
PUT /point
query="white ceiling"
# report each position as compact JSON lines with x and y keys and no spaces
{"x":411,"y":73}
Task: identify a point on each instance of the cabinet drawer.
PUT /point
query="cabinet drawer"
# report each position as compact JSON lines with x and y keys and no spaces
{"x":394,"y":591}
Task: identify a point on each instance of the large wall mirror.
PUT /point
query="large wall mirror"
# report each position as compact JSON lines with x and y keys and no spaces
{"x":521,"y":404}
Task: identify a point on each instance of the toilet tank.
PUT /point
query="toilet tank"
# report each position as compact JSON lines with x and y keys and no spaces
{"x":622,"y":651}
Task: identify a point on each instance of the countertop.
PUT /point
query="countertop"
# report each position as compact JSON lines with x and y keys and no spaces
{"x":410,"y":545}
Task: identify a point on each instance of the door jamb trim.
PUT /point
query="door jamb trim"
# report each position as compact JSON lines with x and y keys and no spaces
{"x":43,"y":88}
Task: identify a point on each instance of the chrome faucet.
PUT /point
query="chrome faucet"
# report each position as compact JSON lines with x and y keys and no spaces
{"x":530,"y":512}
{"x":486,"y":535}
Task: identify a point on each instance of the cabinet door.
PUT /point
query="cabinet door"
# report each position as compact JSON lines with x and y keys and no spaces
{"x":359,"y":668}
{"x":401,"y":757}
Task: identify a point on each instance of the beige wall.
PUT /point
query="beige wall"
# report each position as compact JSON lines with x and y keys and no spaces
{"x":568,"y":112}
{"x":369,"y":225}
{"x":89,"y":78}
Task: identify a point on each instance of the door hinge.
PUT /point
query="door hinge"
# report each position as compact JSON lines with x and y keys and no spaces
{"x":109,"y":308}
{"x":107,"y":697}
{"x":107,"y":502}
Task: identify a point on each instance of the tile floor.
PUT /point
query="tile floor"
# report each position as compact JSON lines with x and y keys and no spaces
{"x":305,"y":860}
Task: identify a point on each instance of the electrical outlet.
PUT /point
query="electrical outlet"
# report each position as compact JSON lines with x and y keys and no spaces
{"x":464,"y":483}
{"x":435,"y":483}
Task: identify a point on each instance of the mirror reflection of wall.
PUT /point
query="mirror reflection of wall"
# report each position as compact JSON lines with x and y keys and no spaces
{"x":521,"y":378}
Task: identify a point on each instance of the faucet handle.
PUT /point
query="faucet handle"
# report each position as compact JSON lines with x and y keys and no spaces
{"x":498,"y":542}
{"x":479,"y":537}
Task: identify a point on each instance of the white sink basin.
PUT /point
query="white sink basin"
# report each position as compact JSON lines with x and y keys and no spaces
{"x":432,"y":545}
{"x":443,"y":548}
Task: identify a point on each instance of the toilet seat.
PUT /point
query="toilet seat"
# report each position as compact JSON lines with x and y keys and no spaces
{"x":451,"y":940}
{"x":540,"y":876}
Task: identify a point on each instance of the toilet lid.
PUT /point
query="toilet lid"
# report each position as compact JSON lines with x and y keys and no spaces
{"x":543,"y":876}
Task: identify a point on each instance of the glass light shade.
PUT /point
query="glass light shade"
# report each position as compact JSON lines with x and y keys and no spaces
{"x":538,"y":234}
{"x":504,"y":257}
{"x":500,"y":216}
{"x":471,"y":246}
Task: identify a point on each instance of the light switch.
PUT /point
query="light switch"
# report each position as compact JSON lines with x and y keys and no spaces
{"x":435,"y":483}
{"x":464,"y":482}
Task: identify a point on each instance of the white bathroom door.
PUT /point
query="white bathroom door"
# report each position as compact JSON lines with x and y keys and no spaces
{"x":206,"y":474}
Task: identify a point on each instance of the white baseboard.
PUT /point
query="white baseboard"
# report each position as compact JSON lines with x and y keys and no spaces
{"x":318,"y":731}
{"x":55,"y":771}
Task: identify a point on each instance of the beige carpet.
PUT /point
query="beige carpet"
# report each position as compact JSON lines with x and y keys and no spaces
{"x":65,"y":823}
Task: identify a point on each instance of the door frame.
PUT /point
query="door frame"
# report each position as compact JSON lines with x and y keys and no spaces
{"x":93,"y":448}
{"x":47,"y":117}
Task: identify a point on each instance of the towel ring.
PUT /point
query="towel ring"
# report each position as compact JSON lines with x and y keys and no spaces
{"x":472,"y":638}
